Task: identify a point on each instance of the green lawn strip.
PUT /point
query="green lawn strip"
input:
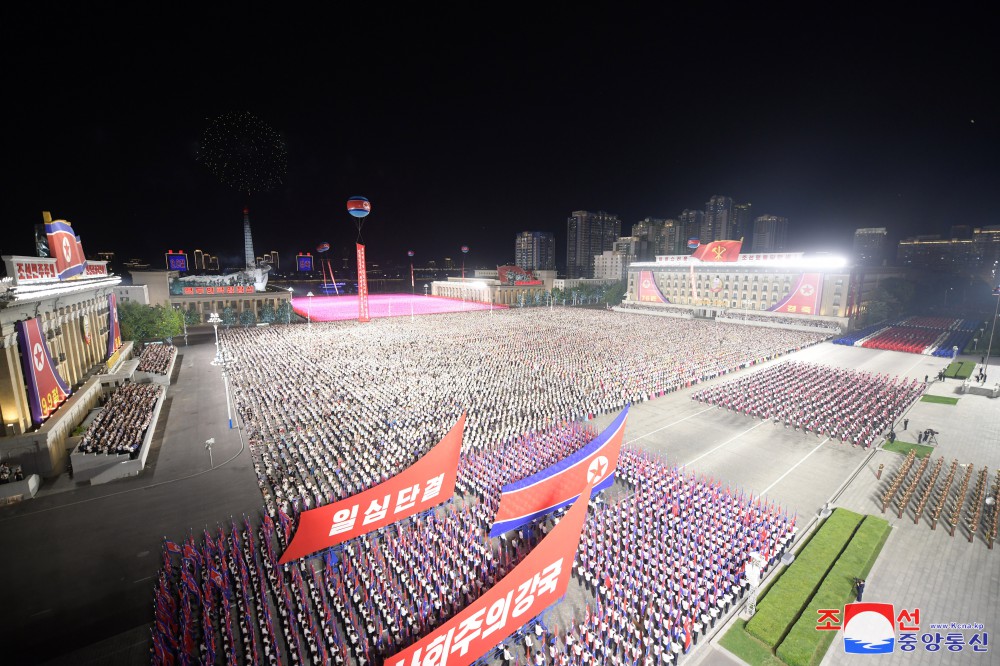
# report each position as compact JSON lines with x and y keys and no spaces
{"x":748,"y":648}
{"x":786,"y":599}
{"x":939,"y":399}
{"x":905,"y":447}
{"x":968,"y":367}
{"x":952,"y":368}
{"x":805,"y":645}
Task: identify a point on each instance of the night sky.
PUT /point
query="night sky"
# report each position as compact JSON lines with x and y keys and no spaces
{"x":467,"y":126}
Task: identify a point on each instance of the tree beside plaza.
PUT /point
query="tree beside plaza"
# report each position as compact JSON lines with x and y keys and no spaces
{"x":192,"y":317}
{"x":284,"y":312}
{"x":149,"y":322}
{"x":228,"y":317}
{"x":267,"y":314}
{"x":247,"y":318}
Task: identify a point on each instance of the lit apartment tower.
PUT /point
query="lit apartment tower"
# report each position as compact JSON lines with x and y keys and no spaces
{"x":718,"y":218}
{"x":588,"y":235}
{"x":742,"y":226}
{"x":869,"y":245}
{"x":535,"y":250}
{"x":670,"y":239}
{"x":690,"y":227}
{"x":199,"y":260}
{"x":649,"y":232}
{"x":770,"y":233}
{"x":248,"y":240}
{"x":272,"y":259}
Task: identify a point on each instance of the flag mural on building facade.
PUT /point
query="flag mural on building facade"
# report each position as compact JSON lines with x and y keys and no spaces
{"x":362,"y":286}
{"x":537,"y":582}
{"x":805,"y":298}
{"x":46,"y":389}
{"x":114,"y":329}
{"x":649,"y":291}
{"x":423,"y":485}
{"x":559,"y":484}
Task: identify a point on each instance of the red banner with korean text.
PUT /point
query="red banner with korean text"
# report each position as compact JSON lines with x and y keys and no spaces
{"x":804,"y":299}
{"x":362,"y":285}
{"x":536,"y":583}
{"x":424,"y":484}
{"x":46,"y":389}
{"x":649,"y":292}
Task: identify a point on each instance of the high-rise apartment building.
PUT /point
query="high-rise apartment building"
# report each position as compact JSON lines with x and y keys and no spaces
{"x":869,"y":246}
{"x":980,"y":252}
{"x":199,"y":260}
{"x":535,"y":251}
{"x":770,"y":233}
{"x":588,"y":235}
{"x":718,"y":219}
{"x":742,"y":226}
{"x":649,"y":232}
{"x":690,"y":222}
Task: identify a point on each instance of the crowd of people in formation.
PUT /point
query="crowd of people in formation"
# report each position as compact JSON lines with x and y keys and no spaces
{"x":332,"y":409}
{"x":156,"y":359}
{"x":658,"y":567}
{"x":10,"y":473}
{"x":853,"y":406}
{"x":738,"y":316}
{"x":655,"y":307}
{"x":121,"y":425}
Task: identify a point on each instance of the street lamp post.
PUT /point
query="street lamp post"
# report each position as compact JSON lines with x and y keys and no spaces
{"x":309,"y":310}
{"x":214,"y":320}
{"x":208,"y":445}
{"x":290,"y":292}
{"x":996,"y":312}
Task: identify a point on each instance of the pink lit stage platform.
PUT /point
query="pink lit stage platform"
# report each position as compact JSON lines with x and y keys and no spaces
{"x":338,"y":308}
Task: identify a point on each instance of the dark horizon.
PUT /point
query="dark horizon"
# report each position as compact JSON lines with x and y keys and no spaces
{"x":462,"y":132}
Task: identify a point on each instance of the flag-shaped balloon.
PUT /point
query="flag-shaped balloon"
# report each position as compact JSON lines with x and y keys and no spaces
{"x":693,"y":243}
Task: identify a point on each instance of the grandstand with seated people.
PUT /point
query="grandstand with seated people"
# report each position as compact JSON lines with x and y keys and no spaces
{"x":932,"y":336}
{"x":49,"y":382}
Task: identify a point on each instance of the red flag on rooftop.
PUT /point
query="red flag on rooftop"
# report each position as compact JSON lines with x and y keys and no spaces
{"x":722,"y":250}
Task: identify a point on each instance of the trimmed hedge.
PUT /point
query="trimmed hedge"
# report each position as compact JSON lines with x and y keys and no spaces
{"x":791,"y":593}
{"x":805,"y":645}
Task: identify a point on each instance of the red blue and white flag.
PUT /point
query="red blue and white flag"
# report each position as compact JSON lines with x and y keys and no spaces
{"x":46,"y":389}
{"x":64,"y":249}
{"x":559,"y":484}
{"x":114,"y":329}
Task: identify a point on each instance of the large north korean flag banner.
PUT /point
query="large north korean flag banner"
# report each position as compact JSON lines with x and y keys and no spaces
{"x":46,"y":389}
{"x":423,"y":485}
{"x":114,"y":328}
{"x":536,"y":583}
{"x":804,"y":299}
{"x":558,"y":485}
{"x":722,"y":250}
{"x":63,"y":246}
{"x":649,"y":292}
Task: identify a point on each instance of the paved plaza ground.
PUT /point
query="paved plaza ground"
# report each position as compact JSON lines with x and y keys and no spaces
{"x":79,"y":563}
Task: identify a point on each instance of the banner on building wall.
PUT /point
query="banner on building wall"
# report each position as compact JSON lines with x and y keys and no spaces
{"x":362,"y":285}
{"x":114,"y":329}
{"x":46,"y":389}
{"x":805,"y":298}
{"x":558,"y":485}
{"x":536,"y":583}
{"x":424,"y":484}
{"x":85,"y":323}
{"x":65,"y":248}
{"x":649,"y":291}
